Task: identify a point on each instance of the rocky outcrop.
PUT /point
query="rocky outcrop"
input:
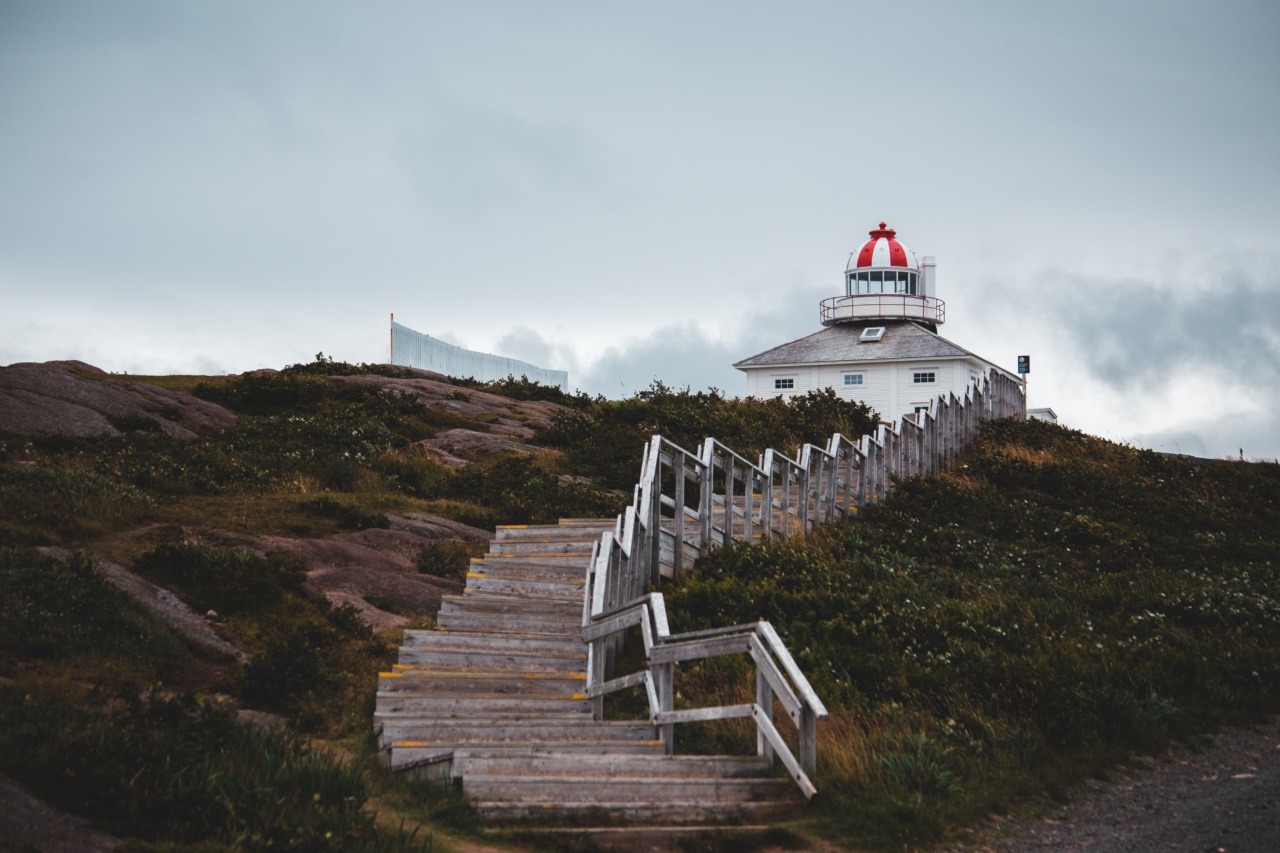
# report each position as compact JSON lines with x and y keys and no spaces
{"x":74,"y":398}
{"x":518,"y":418}
{"x":377,"y":565}
{"x":460,"y":446}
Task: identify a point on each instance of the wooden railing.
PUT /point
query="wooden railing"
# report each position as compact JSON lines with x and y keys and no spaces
{"x":687,"y":503}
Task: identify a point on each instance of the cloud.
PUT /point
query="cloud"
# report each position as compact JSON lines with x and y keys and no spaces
{"x":683,"y":353}
{"x":1133,"y":333}
{"x":1187,"y":361}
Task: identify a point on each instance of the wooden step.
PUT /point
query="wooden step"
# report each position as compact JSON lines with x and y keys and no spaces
{"x":582,"y":790}
{"x":459,"y":660}
{"x":550,"y":763}
{"x":546,"y":533}
{"x":564,"y":570}
{"x":433,"y":682}
{"x":693,"y":813}
{"x":476,"y":598}
{"x":479,"y":705}
{"x":601,"y":524}
{"x":492,"y":643}
{"x":482,"y":582}
{"x":510,"y":624}
{"x":525,"y":731}
{"x":562,"y":561}
{"x":409,"y":752}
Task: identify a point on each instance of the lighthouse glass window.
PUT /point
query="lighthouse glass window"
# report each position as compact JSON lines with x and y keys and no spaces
{"x":852,"y":379}
{"x":883,"y":281}
{"x":923,"y":378}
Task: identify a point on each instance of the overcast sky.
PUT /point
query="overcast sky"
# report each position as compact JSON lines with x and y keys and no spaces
{"x":650,"y":190}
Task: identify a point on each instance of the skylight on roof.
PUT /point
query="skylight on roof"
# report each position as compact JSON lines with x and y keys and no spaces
{"x":871,"y":334}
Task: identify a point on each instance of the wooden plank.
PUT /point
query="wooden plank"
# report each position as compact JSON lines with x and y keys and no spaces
{"x":618,"y":684}
{"x":770,"y":636}
{"x":695,"y":715}
{"x":700,"y":649}
{"x":613,"y":624}
{"x":784,"y":752}
{"x":766,"y":669}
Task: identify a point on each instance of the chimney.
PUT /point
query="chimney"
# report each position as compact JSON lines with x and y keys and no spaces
{"x":929,"y":263}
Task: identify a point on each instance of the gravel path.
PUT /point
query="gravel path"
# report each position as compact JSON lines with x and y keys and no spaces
{"x":1224,"y":798}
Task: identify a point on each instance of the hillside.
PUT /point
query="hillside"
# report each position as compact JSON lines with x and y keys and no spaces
{"x":1052,"y":604}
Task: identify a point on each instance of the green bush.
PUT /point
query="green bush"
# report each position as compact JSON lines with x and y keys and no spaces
{"x":56,"y":611}
{"x":229,"y":581}
{"x":348,"y":516}
{"x":605,"y":439}
{"x":520,"y":491}
{"x":525,"y":388}
{"x":449,"y":559}
{"x":182,"y":770}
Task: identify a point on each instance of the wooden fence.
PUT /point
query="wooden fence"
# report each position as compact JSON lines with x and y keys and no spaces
{"x":687,"y":503}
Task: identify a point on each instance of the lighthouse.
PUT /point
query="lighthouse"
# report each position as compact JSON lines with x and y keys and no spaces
{"x":879,"y":341}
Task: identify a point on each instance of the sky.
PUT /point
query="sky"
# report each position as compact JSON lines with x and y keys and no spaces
{"x":640,"y":191}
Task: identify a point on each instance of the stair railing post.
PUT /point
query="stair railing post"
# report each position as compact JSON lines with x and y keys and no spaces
{"x":808,"y":741}
{"x":677,"y":558}
{"x":664,"y":684}
{"x":764,"y":701}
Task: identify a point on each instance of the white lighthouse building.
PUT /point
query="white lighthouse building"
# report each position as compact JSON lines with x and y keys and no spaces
{"x":879,"y":343}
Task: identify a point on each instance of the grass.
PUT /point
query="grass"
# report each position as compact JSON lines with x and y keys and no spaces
{"x":1049,"y":607}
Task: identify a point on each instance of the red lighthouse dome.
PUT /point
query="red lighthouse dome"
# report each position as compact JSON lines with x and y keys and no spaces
{"x":883,"y":250}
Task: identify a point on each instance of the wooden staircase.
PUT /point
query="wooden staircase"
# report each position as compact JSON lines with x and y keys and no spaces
{"x":495,"y":699}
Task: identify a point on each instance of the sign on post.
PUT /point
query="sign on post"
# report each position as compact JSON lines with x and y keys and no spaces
{"x":1024,"y":364}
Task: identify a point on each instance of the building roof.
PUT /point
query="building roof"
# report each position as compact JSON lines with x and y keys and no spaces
{"x":840,"y":343}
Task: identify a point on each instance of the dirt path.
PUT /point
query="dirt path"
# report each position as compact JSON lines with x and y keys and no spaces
{"x":1224,"y":798}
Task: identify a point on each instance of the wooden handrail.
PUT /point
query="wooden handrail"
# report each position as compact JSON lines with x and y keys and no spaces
{"x":656,"y":536}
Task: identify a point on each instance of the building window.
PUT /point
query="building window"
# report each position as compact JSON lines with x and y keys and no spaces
{"x":783,"y":384}
{"x":923,"y":378}
{"x":853,"y":379}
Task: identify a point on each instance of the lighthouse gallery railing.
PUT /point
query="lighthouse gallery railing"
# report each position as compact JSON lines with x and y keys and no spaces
{"x":687,"y":503}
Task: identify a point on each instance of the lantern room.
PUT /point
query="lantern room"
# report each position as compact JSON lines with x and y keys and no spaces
{"x":884,"y":280}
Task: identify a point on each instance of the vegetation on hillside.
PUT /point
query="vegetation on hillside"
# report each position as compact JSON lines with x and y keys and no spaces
{"x":1051,"y":604}
{"x":604,"y":438}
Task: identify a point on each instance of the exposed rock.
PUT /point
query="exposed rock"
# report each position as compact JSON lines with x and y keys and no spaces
{"x":512,"y":417}
{"x":28,"y":823}
{"x":172,"y":611}
{"x":377,"y":564}
{"x":459,"y":446}
{"x":261,"y":719}
{"x":434,"y":527}
{"x":74,"y":398}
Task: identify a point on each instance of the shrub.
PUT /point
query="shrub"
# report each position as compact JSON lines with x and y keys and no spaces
{"x":605,"y":439}
{"x":228,"y":581}
{"x":44,"y":505}
{"x":181,"y":770}
{"x":448,"y":559}
{"x":348,"y":516}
